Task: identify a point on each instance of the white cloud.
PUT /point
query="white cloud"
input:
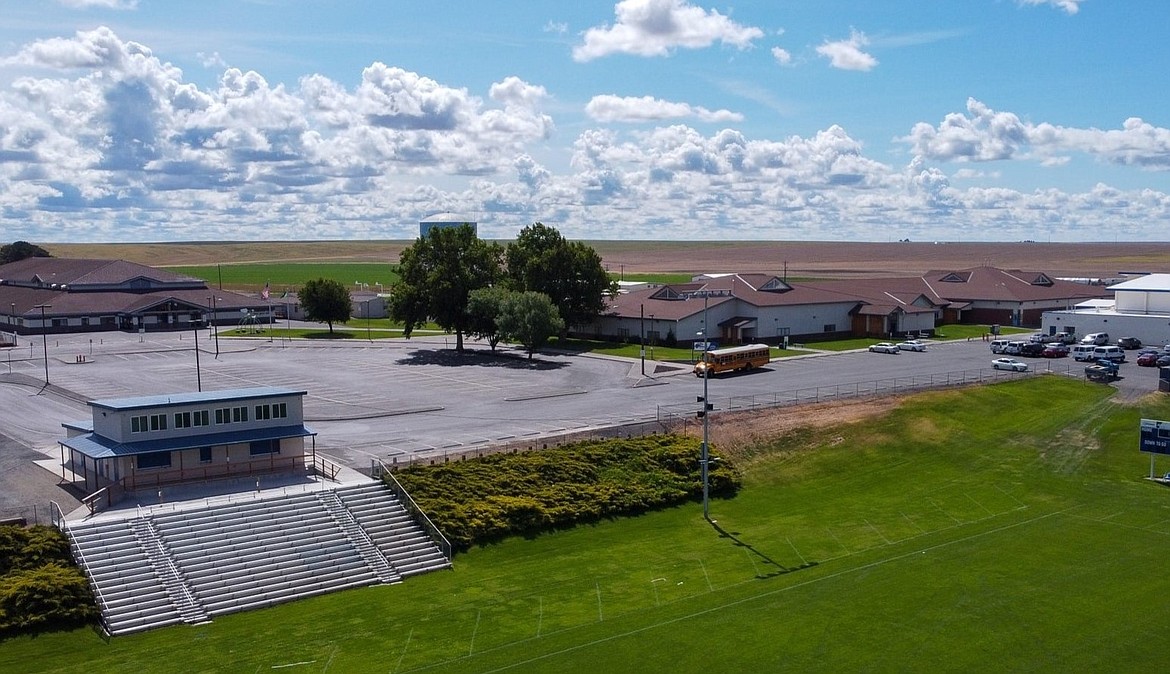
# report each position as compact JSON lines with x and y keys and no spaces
{"x":102,"y":4}
{"x":848,"y":54}
{"x":212,"y":60}
{"x":610,"y":108}
{"x":657,"y":27}
{"x":782,"y":56}
{"x":984,"y":134}
{"x":1069,"y":6}
{"x":101,"y":139}
{"x":558,"y":27}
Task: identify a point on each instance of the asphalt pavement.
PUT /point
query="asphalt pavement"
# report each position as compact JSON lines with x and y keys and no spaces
{"x":393,"y":399}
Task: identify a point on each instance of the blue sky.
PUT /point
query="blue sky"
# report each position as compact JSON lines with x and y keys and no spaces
{"x":956,"y":120}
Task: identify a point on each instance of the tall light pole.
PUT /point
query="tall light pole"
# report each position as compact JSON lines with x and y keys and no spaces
{"x":45,"y":338}
{"x":211,"y":303}
{"x":704,"y":455}
{"x":198,"y":372}
{"x":642,"y":335}
{"x":368,"y":339}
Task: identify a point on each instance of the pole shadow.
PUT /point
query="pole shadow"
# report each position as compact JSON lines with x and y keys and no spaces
{"x":778,"y":569}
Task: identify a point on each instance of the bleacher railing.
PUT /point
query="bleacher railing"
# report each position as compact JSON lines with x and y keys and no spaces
{"x":58,"y":517}
{"x":416,"y":512}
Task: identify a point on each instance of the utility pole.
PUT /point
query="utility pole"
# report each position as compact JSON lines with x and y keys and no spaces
{"x":45,"y":338}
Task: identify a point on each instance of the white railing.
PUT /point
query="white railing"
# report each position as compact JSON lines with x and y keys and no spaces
{"x":58,"y":517}
{"x":417,"y":513}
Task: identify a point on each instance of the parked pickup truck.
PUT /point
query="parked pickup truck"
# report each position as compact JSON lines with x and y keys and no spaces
{"x":1103,"y":370}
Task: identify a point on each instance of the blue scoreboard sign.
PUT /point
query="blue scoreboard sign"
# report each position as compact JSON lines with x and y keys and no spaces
{"x":1155,"y":436}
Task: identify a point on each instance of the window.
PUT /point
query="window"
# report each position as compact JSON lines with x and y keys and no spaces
{"x":273,"y":411}
{"x":154,"y":460}
{"x":204,"y":455}
{"x":261,"y":447}
{"x":830,"y":327}
{"x":223,"y":415}
{"x":201,"y":418}
{"x":182,"y":420}
{"x":239,"y":414}
{"x":138,"y":424}
{"x":158,"y":422}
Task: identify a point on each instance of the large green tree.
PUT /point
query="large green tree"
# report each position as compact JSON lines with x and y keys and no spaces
{"x":529,"y":318}
{"x":439,"y":272}
{"x":326,"y":301}
{"x":19,"y":250}
{"x":483,"y":308}
{"x":569,"y":273}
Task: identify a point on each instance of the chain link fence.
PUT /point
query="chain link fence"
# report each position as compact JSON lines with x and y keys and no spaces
{"x":677,"y":418}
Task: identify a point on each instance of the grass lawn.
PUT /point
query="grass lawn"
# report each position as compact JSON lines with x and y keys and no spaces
{"x":1004,"y":527}
{"x":291,"y":275}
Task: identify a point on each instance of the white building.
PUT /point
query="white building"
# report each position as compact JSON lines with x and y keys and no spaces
{"x":134,"y":443}
{"x":1140,"y":308}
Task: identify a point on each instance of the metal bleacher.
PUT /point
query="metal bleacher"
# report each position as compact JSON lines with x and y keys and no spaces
{"x":151,"y":569}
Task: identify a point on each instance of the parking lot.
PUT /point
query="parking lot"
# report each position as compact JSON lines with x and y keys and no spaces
{"x":390,"y":399}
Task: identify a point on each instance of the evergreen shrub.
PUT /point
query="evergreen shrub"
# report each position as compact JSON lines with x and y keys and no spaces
{"x":486,"y":499}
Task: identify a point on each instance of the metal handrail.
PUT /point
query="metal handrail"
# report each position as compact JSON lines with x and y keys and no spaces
{"x":79,"y":556}
{"x":412,"y":508}
{"x":166,"y":559}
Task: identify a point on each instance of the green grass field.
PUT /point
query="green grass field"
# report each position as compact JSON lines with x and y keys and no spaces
{"x":1005,"y":527}
{"x":291,"y":275}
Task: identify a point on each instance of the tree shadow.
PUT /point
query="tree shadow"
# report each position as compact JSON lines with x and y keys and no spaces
{"x":478,"y":358}
{"x":777,"y":569}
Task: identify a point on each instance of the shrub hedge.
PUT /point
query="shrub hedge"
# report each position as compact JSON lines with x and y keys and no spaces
{"x":40,"y":586}
{"x":486,"y":499}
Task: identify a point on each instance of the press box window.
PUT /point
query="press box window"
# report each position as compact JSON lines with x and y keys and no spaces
{"x":262,"y":447}
{"x":158,"y":422}
{"x":138,"y":424}
{"x":153,"y":460}
{"x":204,"y":455}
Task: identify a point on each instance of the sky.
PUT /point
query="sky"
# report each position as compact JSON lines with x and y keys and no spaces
{"x":826,"y":120}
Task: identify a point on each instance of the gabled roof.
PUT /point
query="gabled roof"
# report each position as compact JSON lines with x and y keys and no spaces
{"x":1011,"y":285}
{"x":79,"y":272}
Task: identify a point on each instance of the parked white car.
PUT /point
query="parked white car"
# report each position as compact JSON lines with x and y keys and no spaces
{"x":1009,"y":364}
{"x":912,"y":345}
{"x":884,"y":347}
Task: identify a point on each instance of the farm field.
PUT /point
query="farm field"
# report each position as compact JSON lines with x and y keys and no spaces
{"x":1004,"y":524}
{"x":798,"y":259}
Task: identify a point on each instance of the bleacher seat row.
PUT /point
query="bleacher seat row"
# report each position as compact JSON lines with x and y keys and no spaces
{"x":190,"y":564}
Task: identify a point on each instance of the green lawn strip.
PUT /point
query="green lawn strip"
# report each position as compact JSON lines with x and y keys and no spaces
{"x":1003,"y":524}
{"x":339,"y":332}
{"x":291,"y":275}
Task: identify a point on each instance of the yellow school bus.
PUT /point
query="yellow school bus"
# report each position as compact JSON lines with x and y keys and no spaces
{"x":733,"y":358}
